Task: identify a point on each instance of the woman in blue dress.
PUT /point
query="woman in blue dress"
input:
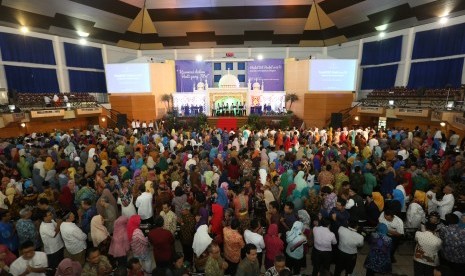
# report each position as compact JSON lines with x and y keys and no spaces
{"x":379,"y":257}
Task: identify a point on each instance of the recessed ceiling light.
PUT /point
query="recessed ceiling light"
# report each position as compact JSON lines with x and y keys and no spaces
{"x":382,"y":34}
{"x":443,"y":20}
{"x":82,"y":34}
{"x":198,"y":58}
{"x":381,"y":28}
{"x":83,"y":41}
{"x":24,"y":29}
{"x":260,"y":57}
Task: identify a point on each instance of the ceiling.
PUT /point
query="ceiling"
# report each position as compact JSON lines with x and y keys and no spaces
{"x":161,"y":24}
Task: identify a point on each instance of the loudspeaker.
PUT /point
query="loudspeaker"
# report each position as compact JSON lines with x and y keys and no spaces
{"x":121,"y":120}
{"x":336,"y":120}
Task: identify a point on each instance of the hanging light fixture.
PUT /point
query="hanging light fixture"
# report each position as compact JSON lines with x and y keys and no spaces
{"x":142,"y":25}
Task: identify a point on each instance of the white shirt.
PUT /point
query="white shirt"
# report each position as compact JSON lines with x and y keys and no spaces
{"x":19,"y":266}
{"x":151,"y":124}
{"x":429,"y":244}
{"x":144,"y":125}
{"x":73,"y":237}
{"x":372,"y":143}
{"x":323,"y":238}
{"x":396,"y":224}
{"x":349,"y":240}
{"x":454,"y":139}
{"x":52,"y":243}
{"x":133,"y":124}
{"x":445,"y":205}
{"x":254,"y":238}
{"x":144,"y":205}
{"x":137,"y":124}
{"x":189,"y":163}
{"x":173,"y":144}
{"x":47,"y":100}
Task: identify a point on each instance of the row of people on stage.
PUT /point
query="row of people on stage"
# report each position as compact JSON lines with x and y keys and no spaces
{"x":226,"y":109}
{"x":191,"y":110}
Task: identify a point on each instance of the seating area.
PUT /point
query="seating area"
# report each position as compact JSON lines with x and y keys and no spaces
{"x":37,"y":100}
{"x":403,"y":92}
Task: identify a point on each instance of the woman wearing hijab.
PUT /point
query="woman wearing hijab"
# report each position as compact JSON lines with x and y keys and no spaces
{"x":86,"y":192}
{"x":111,"y":200}
{"x":68,"y":267}
{"x":99,"y":234}
{"x":286,"y":179}
{"x":162,"y":164}
{"x":139,"y":242}
{"x":379,"y":257}
{"x":300,"y":181}
{"x":201,"y":242}
{"x":104,"y":166}
{"x":24,"y":167}
{"x":295,"y":247}
{"x":150,"y":163}
{"x":216,"y":222}
{"x":222,"y":198}
{"x":66,"y":197}
{"x":125,"y":199}
{"x":274,"y":245}
{"x":49,"y":164}
{"x":379,"y":200}
{"x":119,"y":245}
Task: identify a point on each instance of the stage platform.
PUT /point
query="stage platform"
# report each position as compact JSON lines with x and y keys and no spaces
{"x":227,"y":122}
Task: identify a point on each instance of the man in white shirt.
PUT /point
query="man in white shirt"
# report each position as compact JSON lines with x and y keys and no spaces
{"x":272,"y":155}
{"x":190,"y":161}
{"x":47,"y":101}
{"x":151,"y":124}
{"x":322,"y":247}
{"x":133,"y":124}
{"x":144,"y":206}
{"x":173,"y":145}
{"x":349,"y":241}
{"x":445,"y":205}
{"x":425,"y":256}
{"x":373,"y":142}
{"x":453,"y":139}
{"x":169,"y":218}
{"x":144,"y":125}
{"x":53,"y":243}
{"x":395,"y":229}
{"x":255,"y":236}
{"x":31,"y":262}
{"x":74,"y":239}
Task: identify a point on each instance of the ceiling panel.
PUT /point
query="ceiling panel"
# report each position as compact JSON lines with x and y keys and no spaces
{"x":222,"y":23}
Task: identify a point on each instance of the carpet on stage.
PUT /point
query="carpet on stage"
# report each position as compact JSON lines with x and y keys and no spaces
{"x":227,"y":122}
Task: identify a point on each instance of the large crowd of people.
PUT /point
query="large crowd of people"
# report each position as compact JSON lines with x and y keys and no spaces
{"x":242,"y":202}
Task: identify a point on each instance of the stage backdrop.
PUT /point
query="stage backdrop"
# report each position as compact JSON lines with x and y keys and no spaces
{"x":271,"y":71}
{"x":190,"y":72}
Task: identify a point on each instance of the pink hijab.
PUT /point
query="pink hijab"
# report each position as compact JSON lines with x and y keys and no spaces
{"x":10,"y":257}
{"x":119,"y":246}
{"x":64,"y":268}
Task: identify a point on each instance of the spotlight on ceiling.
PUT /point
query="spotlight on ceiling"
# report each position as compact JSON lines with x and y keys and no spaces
{"x":382,"y":34}
{"x":23,"y":125}
{"x":381,"y":28}
{"x":442,"y":124}
{"x":356,"y":118}
{"x":198,"y":58}
{"x":443,"y":20}
{"x":391,"y":102}
{"x":103,"y":119}
{"x":82,"y":34}
{"x":260,"y":57}
{"x":83,"y":41}
{"x":24,"y":29}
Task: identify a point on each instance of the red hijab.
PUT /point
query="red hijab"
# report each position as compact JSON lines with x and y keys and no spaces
{"x":273,"y":243}
{"x":133,"y":224}
{"x":217,"y":219}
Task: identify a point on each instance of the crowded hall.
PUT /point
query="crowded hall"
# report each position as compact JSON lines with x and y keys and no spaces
{"x":240,"y":138}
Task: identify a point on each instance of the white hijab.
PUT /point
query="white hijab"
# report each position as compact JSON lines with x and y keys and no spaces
{"x":201,"y":240}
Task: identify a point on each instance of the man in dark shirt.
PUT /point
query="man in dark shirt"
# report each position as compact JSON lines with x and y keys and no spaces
{"x":339,"y":216}
{"x":249,"y":265}
{"x":162,"y":243}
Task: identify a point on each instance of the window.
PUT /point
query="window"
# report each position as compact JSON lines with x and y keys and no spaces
{"x":241,"y":78}
{"x":217,"y":66}
{"x":216,"y":78}
{"x":229,"y":66}
{"x":241,"y":66}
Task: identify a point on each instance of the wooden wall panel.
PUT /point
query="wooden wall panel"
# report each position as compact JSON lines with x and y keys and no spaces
{"x":318,"y":106}
{"x":14,"y":129}
{"x":296,"y":81}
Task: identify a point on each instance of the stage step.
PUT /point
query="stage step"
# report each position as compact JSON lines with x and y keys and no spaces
{"x":228,"y":122}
